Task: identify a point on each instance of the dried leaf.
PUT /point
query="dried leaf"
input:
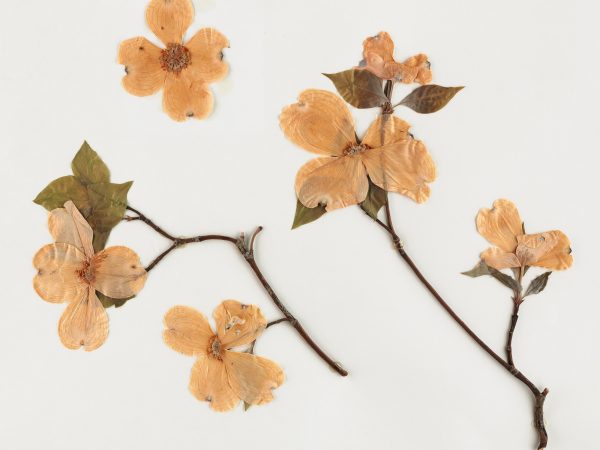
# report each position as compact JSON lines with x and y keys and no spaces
{"x":306,"y":215}
{"x":376,"y":199}
{"x":483,"y":269}
{"x":480,"y":269}
{"x":429,"y":98}
{"x":538,"y":284}
{"x":60,"y":191}
{"x":108,"y":202}
{"x":88,"y":167}
{"x":107,"y":302}
{"x":360,"y":88}
{"x":247,"y":406}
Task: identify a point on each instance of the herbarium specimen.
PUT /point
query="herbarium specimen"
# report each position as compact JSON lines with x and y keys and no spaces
{"x":388,"y":158}
{"x":183,"y":70}
{"x":77,"y":268}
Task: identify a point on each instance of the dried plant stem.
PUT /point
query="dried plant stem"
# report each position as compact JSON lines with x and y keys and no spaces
{"x":511,"y":331}
{"x":247,"y":251}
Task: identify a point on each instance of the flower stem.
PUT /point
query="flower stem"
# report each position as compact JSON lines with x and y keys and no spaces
{"x":247,"y":251}
{"x":511,"y":331}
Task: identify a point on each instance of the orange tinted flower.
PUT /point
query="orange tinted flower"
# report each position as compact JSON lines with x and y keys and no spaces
{"x":378,"y":58}
{"x":70,"y":271}
{"x":321,"y":123}
{"x":502,"y":226}
{"x":183,"y":70}
{"x":220,"y":375}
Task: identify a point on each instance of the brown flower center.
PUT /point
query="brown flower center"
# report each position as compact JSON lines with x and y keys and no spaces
{"x":87,"y":273}
{"x":175,"y":58}
{"x":355,"y":149}
{"x":215,"y":349}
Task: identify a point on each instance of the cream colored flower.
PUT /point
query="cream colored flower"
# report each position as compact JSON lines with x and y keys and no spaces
{"x":70,"y":271}
{"x":220,"y":375}
{"x":502,"y":226}
{"x":183,"y":70}
{"x":321,"y":123}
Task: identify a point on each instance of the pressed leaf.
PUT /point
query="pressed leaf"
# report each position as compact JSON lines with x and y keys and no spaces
{"x":483,"y":269}
{"x":107,"y":302}
{"x":306,"y":215}
{"x":358,"y":87}
{"x":88,"y":167}
{"x":480,"y":269}
{"x":429,"y":98}
{"x":60,"y":191}
{"x":376,"y":199}
{"x":538,"y":284}
{"x":108,"y":201}
{"x":99,"y":241}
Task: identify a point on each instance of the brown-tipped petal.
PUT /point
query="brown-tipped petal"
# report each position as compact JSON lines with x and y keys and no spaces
{"x":334,"y":182}
{"x":499,"y":259}
{"x":500,"y":225}
{"x":251,"y":377}
{"x":58,"y":278}
{"x":415,"y":69}
{"x":319,"y":122}
{"x":238,"y":324}
{"x":68,"y":226}
{"x":169,"y":19}
{"x":386,"y":129}
{"x":551,"y":250}
{"x":84,"y":323}
{"x":378,"y":54}
{"x":206,"y":48}
{"x":143,"y":72}
{"x":185,"y":97}
{"x":118,"y":272}
{"x":209,"y":383}
{"x":404,"y":167}
{"x":187,"y":331}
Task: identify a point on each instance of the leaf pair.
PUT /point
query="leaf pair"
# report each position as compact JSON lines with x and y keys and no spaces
{"x":537,"y":285}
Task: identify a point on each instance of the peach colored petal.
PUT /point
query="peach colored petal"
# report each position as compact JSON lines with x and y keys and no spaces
{"x":319,"y":122}
{"x":185,"y":97}
{"x":335,"y":182}
{"x":118,"y":272}
{"x":500,"y":225}
{"x":416,"y":69}
{"x":84,"y":323}
{"x":68,"y":226}
{"x":404,"y":167}
{"x":551,"y":250}
{"x":499,"y":259}
{"x":169,"y":19}
{"x":187,"y":331}
{"x":143,"y":72}
{"x":251,"y":377}
{"x":209,"y":383}
{"x":58,"y":267}
{"x":378,"y":54}
{"x":238,"y":324}
{"x":206,"y":48}
{"x":386,"y":129}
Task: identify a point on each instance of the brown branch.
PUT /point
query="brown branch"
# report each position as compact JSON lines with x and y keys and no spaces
{"x":511,"y":331}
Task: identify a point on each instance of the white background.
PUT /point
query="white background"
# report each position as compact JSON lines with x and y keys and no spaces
{"x":525,"y":128}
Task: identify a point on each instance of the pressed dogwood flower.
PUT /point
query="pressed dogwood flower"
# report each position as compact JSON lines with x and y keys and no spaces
{"x":183,"y":70}
{"x":69,"y":271}
{"x":502,"y":227}
{"x":378,"y":58}
{"x":220,"y":375}
{"x":321,"y":123}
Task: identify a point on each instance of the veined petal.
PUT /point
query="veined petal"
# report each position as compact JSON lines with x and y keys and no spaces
{"x":185,"y":97}
{"x":58,"y":267}
{"x":187,"y":331}
{"x":84,"y":323}
{"x":252,"y":377}
{"x":143,"y":72}
{"x":118,"y":272}
{"x":68,"y":226}
{"x":334,"y":182}
{"x":209,"y":383}
{"x":404,"y":167}
{"x":500,"y":225}
{"x":386,"y":129}
{"x":499,"y":259}
{"x":169,"y":19}
{"x":238,"y":324}
{"x":206,"y":49}
{"x":319,"y":122}
{"x":551,"y":250}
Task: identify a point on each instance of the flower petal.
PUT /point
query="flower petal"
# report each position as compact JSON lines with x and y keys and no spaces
{"x":404,"y":167}
{"x":499,"y":259}
{"x":144,"y":74}
{"x":378,"y":56}
{"x":416,"y":69}
{"x":238,"y":324}
{"x":118,"y":272}
{"x":251,"y":377}
{"x":84,"y":323}
{"x":551,"y":250}
{"x":319,"y":122}
{"x":386,"y":129}
{"x":169,"y":19}
{"x":185,"y":97}
{"x":206,"y":49}
{"x":57,"y":279}
{"x":68,"y":226}
{"x":335,"y":182}
{"x":500,"y":225}
{"x":187,"y":330}
{"x":209,"y":383}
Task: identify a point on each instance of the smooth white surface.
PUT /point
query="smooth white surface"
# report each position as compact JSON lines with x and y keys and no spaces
{"x":525,"y":128}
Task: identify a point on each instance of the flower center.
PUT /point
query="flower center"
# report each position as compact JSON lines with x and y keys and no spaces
{"x":215,"y":349}
{"x":355,"y":149}
{"x":86,"y":273}
{"x":175,"y":58}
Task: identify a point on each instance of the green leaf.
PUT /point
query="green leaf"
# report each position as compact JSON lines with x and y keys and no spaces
{"x":429,"y":98}
{"x":60,"y":191}
{"x":306,"y":215}
{"x":376,"y":199}
{"x":99,"y":241}
{"x":358,"y":87}
{"x":108,"y":202}
{"x":538,"y":284}
{"x":107,"y":302}
{"x":479,"y":270}
{"x":88,"y":167}
{"x":483,"y":269}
